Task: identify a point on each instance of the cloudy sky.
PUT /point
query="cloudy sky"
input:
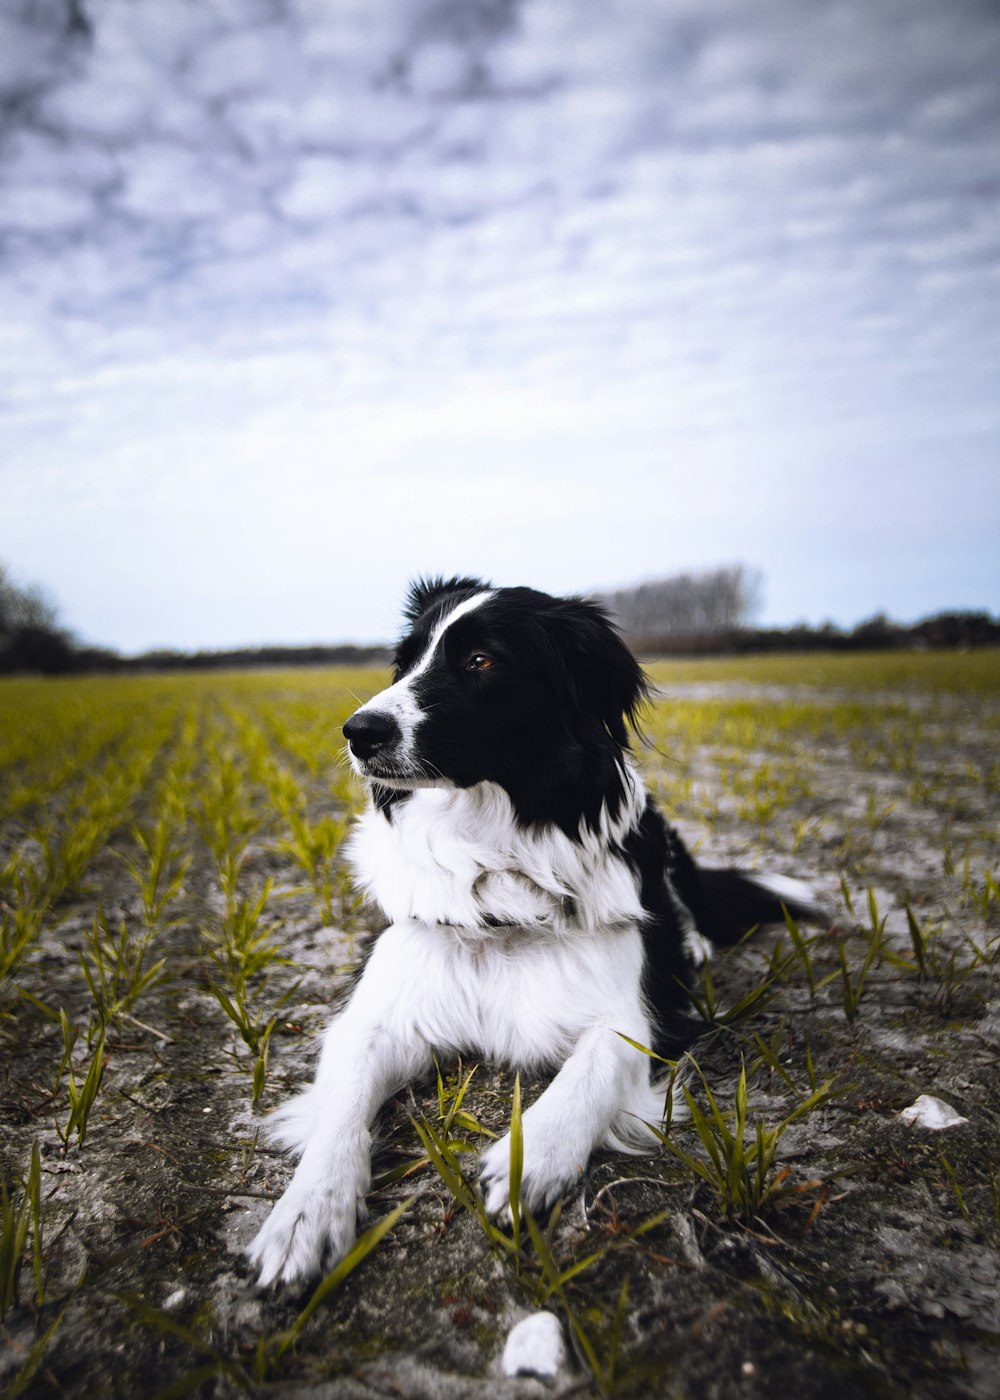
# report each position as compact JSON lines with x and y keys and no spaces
{"x":299,"y":298}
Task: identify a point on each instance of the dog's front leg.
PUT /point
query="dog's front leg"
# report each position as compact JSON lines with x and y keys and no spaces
{"x":602,"y":1082}
{"x":370,"y":1050}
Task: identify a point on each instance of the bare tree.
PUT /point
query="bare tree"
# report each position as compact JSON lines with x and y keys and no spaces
{"x":712,"y":601}
{"x":23,"y":606}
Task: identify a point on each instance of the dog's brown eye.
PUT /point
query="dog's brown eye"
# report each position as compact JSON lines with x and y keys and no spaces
{"x":479,"y":661}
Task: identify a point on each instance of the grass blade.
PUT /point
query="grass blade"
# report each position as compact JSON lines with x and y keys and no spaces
{"x":362,"y":1248}
{"x":516,"y":1163}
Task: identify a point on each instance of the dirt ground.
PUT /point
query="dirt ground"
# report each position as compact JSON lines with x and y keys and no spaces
{"x":874,"y":1270}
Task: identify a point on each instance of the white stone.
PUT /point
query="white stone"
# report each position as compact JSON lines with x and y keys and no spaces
{"x":534,"y":1347}
{"x":929,"y":1112}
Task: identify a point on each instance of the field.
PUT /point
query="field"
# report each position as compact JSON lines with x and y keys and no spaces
{"x":174,"y":918}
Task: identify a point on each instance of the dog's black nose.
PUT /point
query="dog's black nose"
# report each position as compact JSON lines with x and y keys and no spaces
{"x":368,"y":732}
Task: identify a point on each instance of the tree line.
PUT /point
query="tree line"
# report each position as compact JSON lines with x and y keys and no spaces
{"x":33,"y":643}
{"x":878,"y":633}
{"x":687,"y":614}
{"x":692,"y":614}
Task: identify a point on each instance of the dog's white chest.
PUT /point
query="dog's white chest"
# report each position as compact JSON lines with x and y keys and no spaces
{"x":512,"y":995}
{"x":457,"y":856}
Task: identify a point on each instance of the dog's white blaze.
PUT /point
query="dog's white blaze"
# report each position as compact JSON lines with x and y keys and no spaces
{"x":461,"y":610}
{"x":399,"y":701}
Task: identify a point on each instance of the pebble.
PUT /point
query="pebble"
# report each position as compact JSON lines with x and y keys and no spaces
{"x":534,"y":1347}
{"x":929,"y":1112}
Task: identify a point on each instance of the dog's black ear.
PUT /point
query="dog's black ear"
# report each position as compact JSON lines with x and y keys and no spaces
{"x":427,"y":592}
{"x":604,"y":677}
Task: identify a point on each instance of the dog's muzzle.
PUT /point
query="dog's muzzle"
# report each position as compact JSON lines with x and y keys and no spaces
{"x":370,"y":733}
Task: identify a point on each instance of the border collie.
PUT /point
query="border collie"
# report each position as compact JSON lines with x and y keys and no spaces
{"x":540,"y":907}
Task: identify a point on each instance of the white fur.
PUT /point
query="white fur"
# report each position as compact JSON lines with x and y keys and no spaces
{"x":457,"y":856}
{"x":518,"y":944}
{"x":550,"y":982}
{"x":785,"y":888}
{"x":509,"y":995}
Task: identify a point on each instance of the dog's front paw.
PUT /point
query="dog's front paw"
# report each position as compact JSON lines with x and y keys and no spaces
{"x":547,"y":1172}
{"x":307,"y":1233}
{"x":494,"y":1178}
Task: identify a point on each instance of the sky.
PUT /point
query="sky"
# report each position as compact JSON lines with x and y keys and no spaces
{"x":301,"y":299}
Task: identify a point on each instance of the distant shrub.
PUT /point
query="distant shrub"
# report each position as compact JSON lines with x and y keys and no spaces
{"x":30,"y":640}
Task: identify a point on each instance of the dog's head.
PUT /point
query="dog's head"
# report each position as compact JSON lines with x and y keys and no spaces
{"x":502,"y":685}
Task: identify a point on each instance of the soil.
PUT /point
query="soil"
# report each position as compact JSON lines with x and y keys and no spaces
{"x":879,"y":1275}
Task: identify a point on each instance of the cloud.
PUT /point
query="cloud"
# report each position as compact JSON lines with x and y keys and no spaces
{"x":755,"y":244}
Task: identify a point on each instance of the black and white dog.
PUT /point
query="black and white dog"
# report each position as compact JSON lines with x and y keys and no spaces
{"x":539,"y":905}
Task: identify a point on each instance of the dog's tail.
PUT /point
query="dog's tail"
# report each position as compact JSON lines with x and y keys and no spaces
{"x":735,"y":901}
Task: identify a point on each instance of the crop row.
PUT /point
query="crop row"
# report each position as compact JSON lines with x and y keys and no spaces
{"x":154,"y":831}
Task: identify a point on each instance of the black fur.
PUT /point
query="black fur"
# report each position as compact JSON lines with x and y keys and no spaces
{"x":548,"y":720}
